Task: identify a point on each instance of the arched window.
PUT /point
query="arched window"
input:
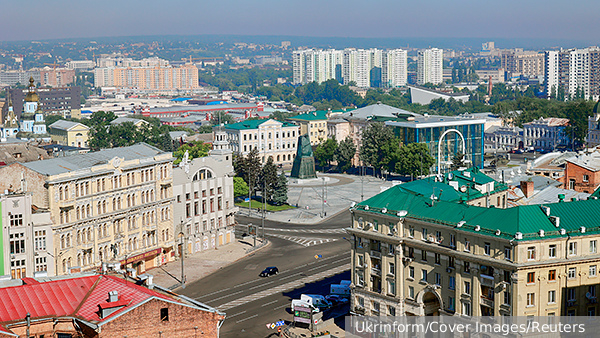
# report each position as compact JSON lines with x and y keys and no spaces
{"x":203,"y":174}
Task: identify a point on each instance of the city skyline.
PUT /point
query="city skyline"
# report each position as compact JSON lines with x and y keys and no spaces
{"x":431,"y":19}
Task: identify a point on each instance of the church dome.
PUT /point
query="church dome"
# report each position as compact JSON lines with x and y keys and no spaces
{"x":32,"y":96}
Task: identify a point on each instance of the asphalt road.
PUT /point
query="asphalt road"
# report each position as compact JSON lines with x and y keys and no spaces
{"x":250,"y":301}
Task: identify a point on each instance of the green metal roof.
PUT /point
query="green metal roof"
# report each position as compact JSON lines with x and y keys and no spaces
{"x":527,"y":220}
{"x":251,"y":124}
{"x":311,"y":116}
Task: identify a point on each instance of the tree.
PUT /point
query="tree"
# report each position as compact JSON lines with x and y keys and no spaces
{"x":205,"y":129}
{"x":248,"y":168}
{"x":345,"y":153}
{"x":268,"y":179}
{"x":221,"y":117}
{"x":240,"y":187}
{"x":281,"y":116}
{"x":195,"y":149}
{"x":280,"y":196}
{"x":378,"y":145}
{"x":325,"y":151}
{"x":414,"y":159}
{"x":457,"y":161}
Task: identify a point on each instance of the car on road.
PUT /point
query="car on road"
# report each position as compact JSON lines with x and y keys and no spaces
{"x":270,"y":271}
{"x":336,"y":299}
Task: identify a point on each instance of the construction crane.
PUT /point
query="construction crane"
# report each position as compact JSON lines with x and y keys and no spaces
{"x":52,"y":64}
{"x":195,"y":59}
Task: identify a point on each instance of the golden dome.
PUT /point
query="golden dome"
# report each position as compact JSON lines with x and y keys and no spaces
{"x":32,"y":96}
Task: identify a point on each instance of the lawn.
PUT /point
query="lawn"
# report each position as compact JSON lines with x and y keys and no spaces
{"x":257,"y":204}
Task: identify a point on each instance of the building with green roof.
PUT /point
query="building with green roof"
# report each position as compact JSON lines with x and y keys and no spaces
{"x":268,"y":136}
{"x":314,"y":124}
{"x":426,"y":248}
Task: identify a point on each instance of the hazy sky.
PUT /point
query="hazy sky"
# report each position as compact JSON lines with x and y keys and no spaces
{"x":43,"y":19}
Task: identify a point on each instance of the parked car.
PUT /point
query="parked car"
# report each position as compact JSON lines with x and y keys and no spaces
{"x":336,"y":299}
{"x":317,"y":301}
{"x":270,"y":271}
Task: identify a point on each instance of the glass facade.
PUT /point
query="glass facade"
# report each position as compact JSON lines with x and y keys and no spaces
{"x":451,"y":145}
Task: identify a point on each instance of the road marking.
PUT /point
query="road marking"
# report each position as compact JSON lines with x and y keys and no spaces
{"x":245,"y":319}
{"x":305,"y":241}
{"x":252,"y":281}
{"x":313,"y":231}
{"x":279,"y":307}
{"x":237,"y":314}
{"x":284,"y":271}
{"x":269,"y":303}
{"x":286,"y":277}
{"x":231,"y":294}
{"x":254,"y":287}
{"x":284,"y":287}
{"x":339,"y":260}
{"x":212,"y":293}
{"x":317,"y":267}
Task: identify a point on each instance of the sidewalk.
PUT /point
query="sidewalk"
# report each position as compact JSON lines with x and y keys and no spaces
{"x":200,"y":264}
{"x":338,"y":192}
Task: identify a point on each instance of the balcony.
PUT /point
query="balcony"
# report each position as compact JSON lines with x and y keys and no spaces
{"x":375,"y":254}
{"x":487,"y":281}
{"x":485,"y":301}
{"x":376,"y":271}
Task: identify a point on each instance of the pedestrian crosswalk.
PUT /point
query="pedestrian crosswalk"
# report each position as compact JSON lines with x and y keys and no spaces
{"x":311,"y":231}
{"x":305,"y":241}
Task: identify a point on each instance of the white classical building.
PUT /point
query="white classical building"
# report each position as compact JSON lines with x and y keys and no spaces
{"x":503,"y":138}
{"x":546,"y":134}
{"x":430,"y":64}
{"x":203,"y":209}
{"x":593,"y":136}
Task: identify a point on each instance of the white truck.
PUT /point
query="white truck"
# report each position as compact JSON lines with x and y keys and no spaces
{"x":300,"y":303}
{"x":342,"y":289}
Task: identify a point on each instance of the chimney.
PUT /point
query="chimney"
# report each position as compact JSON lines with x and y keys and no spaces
{"x":527,"y":188}
{"x":561,"y":197}
{"x":113,"y":296}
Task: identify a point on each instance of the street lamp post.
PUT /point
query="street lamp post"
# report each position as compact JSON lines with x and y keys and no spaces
{"x":323,"y":199}
{"x":181,"y":254}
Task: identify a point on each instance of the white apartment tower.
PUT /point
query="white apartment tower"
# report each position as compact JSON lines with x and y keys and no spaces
{"x":430,"y":66}
{"x":573,"y":71}
{"x":363,"y":67}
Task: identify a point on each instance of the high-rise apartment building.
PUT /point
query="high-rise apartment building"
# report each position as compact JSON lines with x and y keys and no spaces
{"x":573,"y":72}
{"x":148,"y":78}
{"x":430,"y":64}
{"x":517,"y":62}
{"x":363,"y":67}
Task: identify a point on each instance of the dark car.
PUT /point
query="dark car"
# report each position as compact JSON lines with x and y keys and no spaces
{"x":270,"y":271}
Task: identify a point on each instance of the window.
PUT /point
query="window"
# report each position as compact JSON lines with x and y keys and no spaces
{"x":530,"y":299}
{"x":531,"y":253}
{"x":40,"y":240}
{"x":593,"y":271}
{"x":552,"y":296}
{"x":437,"y":258}
{"x":571,"y":295}
{"x":572,"y":272}
{"x":467,"y":288}
{"x":438,"y":279}
{"x":452,"y":240}
{"x":467,"y":245}
{"x":411,"y":292}
{"x":466,"y":309}
{"x":391,"y":287}
{"x":375,"y":225}
{"x":391,"y":310}
{"x":424,"y":255}
{"x":16,"y":219}
{"x":507,"y":297}
{"x":438,"y":237}
{"x":552,"y":275}
{"x":424,"y":275}
{"x":391,"y":249}
{"x":507,"y":252}
{"x":451,"y":303}
{"x":531,"y":277}
{"x":593,"y":246}
{"x":392,"y":270}
{"x":592,"y":291}
{"x":451,"y":262}
{"x":17,"y":243}
{"x":487,"y":249}
{"x":552,"y":251}
{"x":164,"y":314}
{"x":411,"y":232}
{"x":467,"y":268}
{"x":572,"y":249}
{"x":451,"y":283}
{"x":360,"y":260}
{"x":586,"y":178}
{"x":424,"y":233}
{"x":411,"y":272}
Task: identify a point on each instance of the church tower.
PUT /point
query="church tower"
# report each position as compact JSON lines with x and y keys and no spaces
{"x":10,"y":127}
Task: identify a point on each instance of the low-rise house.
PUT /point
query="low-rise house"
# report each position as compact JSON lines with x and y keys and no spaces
{"x":69,"y":133}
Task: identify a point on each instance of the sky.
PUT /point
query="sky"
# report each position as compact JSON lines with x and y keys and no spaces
{"x":488,"y":19}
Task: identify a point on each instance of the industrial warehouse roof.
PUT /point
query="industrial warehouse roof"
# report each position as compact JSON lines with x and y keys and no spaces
{"x":253,"y":124}
{"x":65,"y":164}
{"x":508,"y":223}
{"x":374,"y":110}
{"x":317,"y":115}
{"x":77,"y":297}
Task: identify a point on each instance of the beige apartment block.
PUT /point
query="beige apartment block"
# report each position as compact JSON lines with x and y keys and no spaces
{"x":417,"y":255}
{"x":111,"y":206}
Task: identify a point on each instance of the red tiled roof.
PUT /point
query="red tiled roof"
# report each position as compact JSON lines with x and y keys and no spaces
{"x":64,"y":297}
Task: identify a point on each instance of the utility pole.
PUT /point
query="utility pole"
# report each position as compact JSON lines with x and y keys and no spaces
{"x":264,"y":207}
{"x":182,"y":254}
{"x":323,"y":199}
{"x":362,"y":185}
